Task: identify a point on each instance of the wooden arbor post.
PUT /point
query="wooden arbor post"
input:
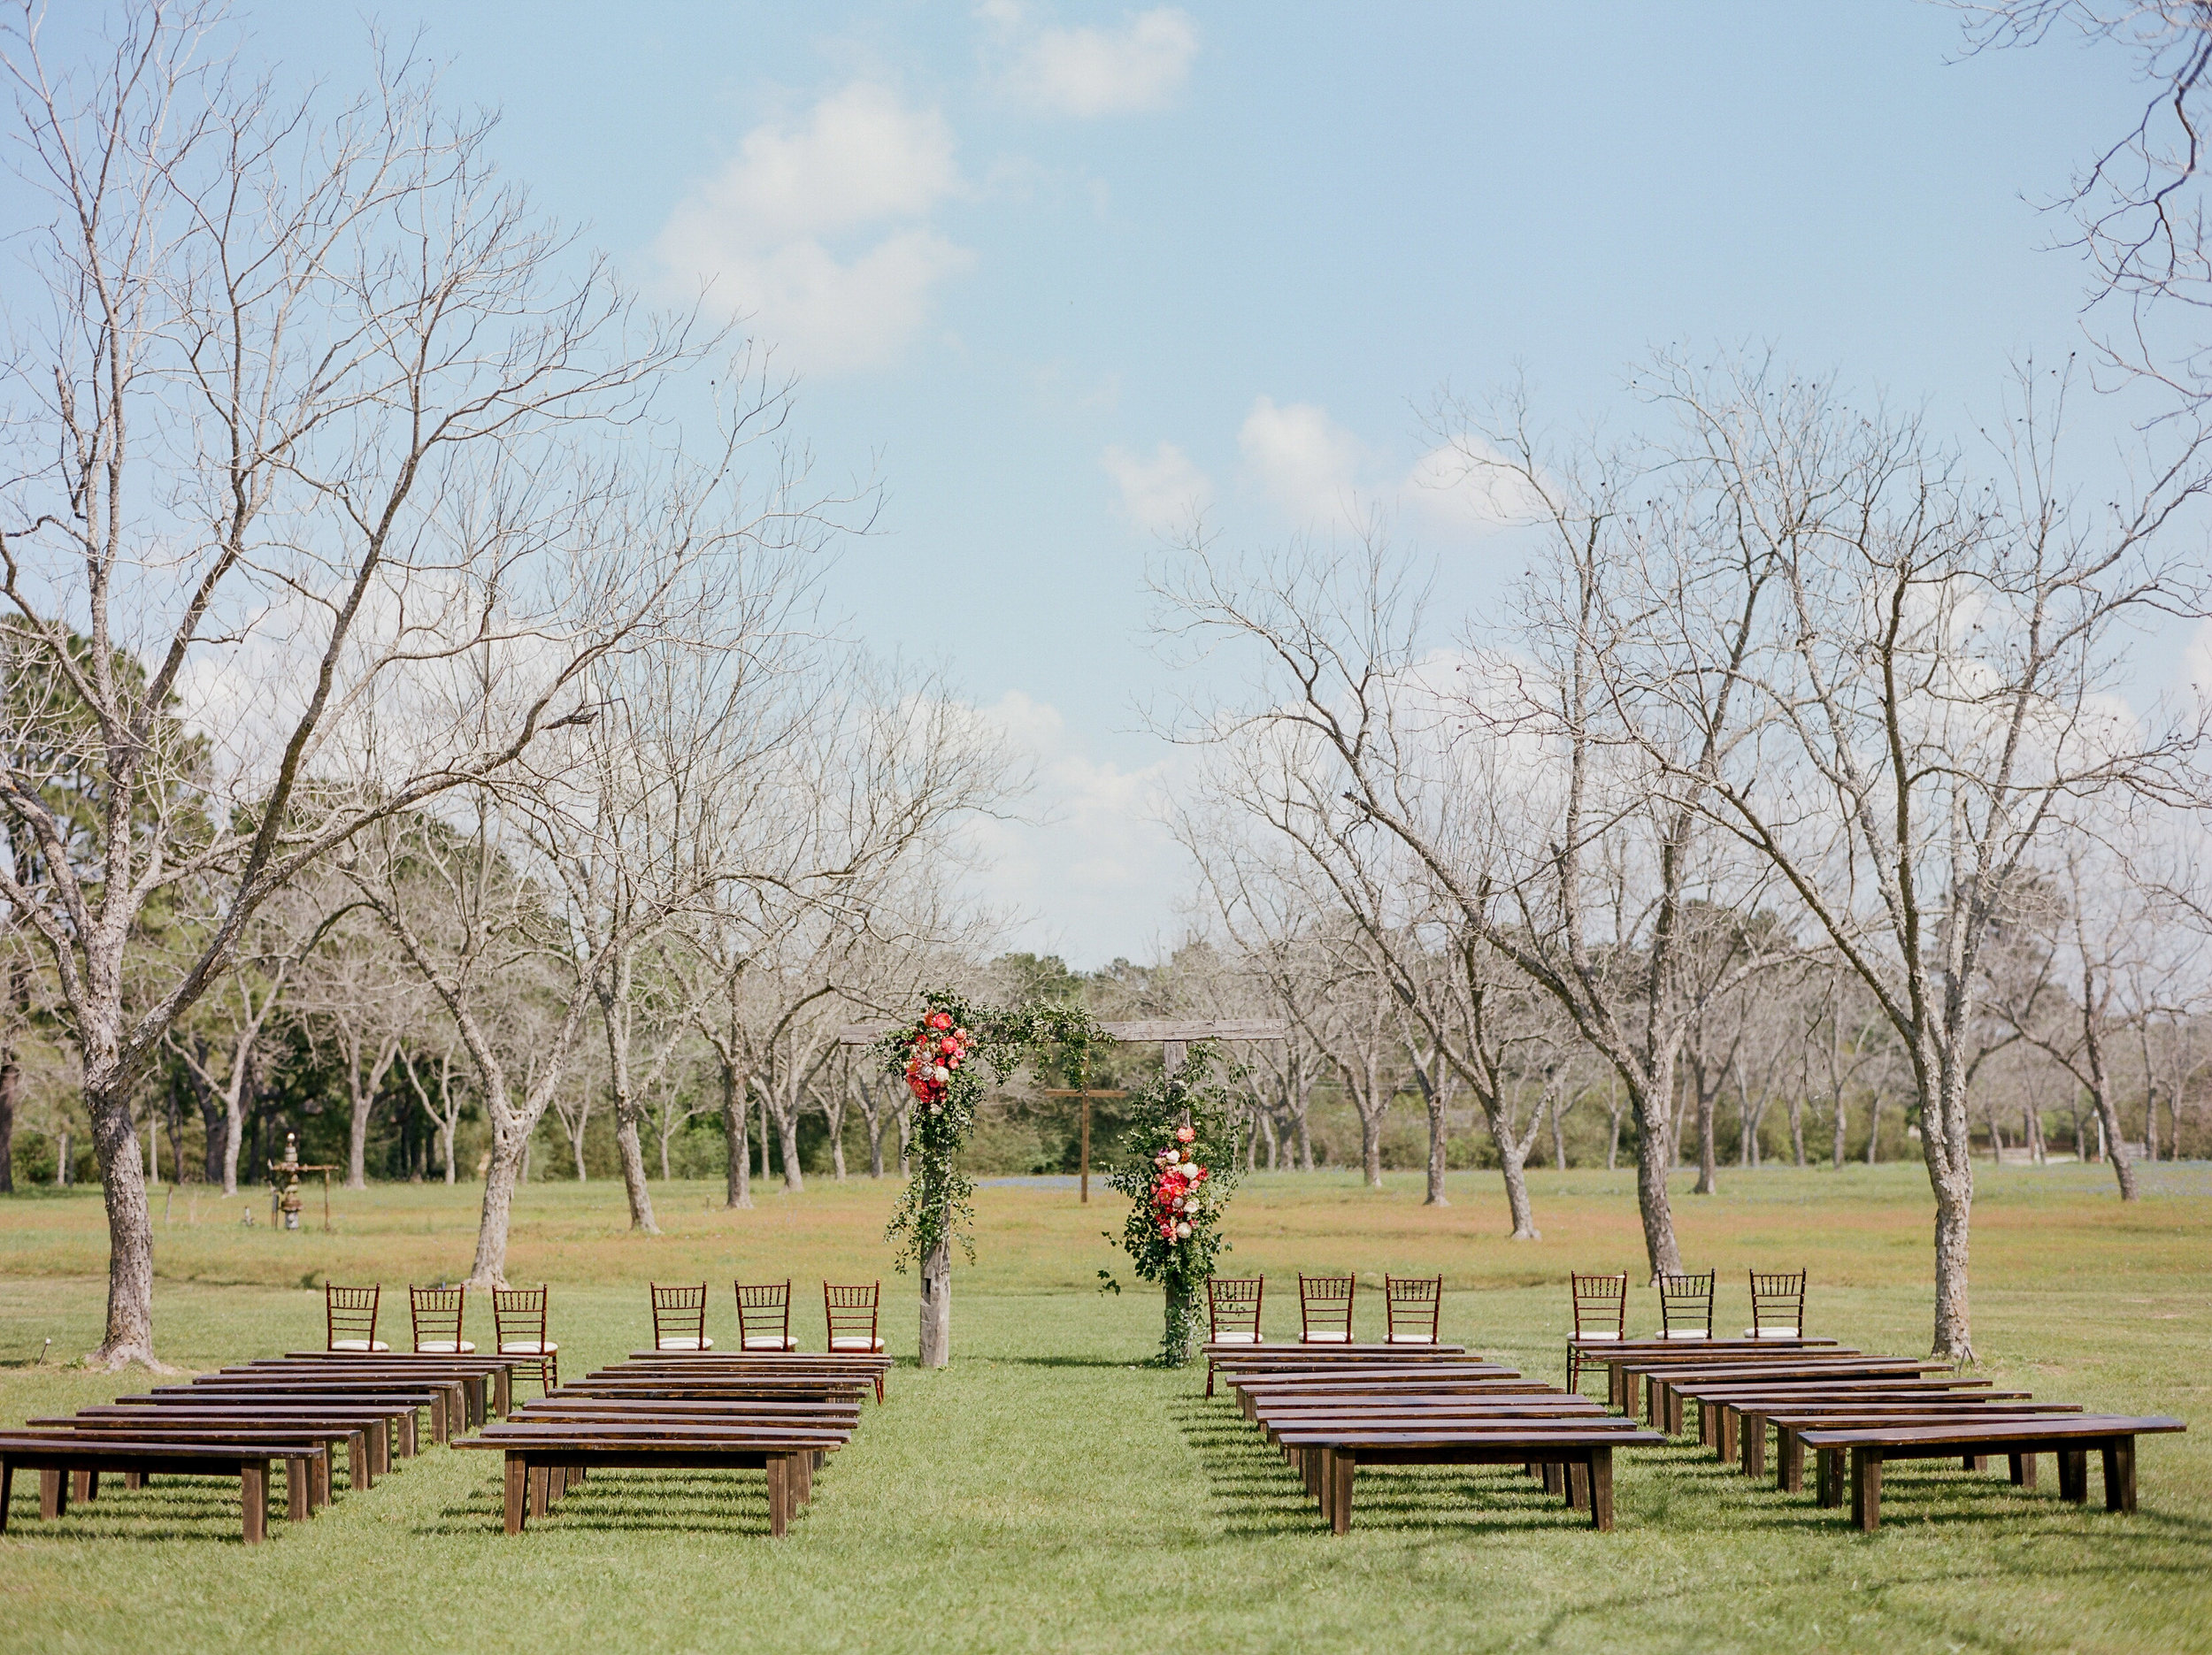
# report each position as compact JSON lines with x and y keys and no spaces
{"x":1175,"y":1036}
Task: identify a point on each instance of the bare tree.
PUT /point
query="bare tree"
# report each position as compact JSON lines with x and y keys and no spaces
{"x":1924,"y":661}
{"x":298,"y":438}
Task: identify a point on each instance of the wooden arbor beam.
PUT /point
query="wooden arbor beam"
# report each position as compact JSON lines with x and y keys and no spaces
{"x":1174,"y":1034}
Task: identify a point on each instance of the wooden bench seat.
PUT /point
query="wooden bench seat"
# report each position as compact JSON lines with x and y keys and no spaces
{"x":59,"y":1453}
{"x":1333,"y":1455}
{"x":401,"y":1396}
{"x":1664,"y":1409}
{"x":493,"y":1374}
{"x":389,"y":1431}
{"x":310,"y":1484}
{"x":537,"y":1457}
{"x":2112,"y":1436}
{"x":1645,"y":1355}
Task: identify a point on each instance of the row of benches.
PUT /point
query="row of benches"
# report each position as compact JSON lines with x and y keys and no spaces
{"x":1335,"y":1409}
{"x":291,"y":1412}
{"x":1817,"y":1395}
{"x":781,"y":1413}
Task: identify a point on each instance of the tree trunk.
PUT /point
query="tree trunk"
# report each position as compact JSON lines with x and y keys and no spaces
{"x":937,"y":1304}
{"x":633,"y":1185}
{"x":1370,"y":1146}
{"x":10,"y":1094}
{"x":1516,"y":1177}
{"x":837,"y":1146}
{"x":1797,"y":1129}
{"x":738,"y":1135}
{"x":130,"y":1320}
{"x":875,"y":1144}
{"x":356,"y":1130}
{"x":2108,"y":1115}
{"x":1873,"y":1128}
{"x":233,"y":1139}
{"x":1954,"y":1319}
{"x":663,"y":1137}
{"x":1651,"y":1181}
{"x":787,"y":1145}
{"x":506,"y":1166}
{"x":1708,"y":1163}
{"x":1432,"y":1096}
{"x":1305,"y":1144}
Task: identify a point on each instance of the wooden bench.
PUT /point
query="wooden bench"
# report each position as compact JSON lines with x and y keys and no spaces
{"x":56,"y":1455}
{"x":1792,"y":1421}
{"x":539,"y":1455}
{"x":385,"y":1431}
{"x":307,"y":1490}
{"x":405,"y":1400}
{"x":1664,"y":1410}
{"x":1258,"y":1358}
{"x":1333,"y":1455}
{"x":494,"y":1375}
{"x":2113,"y":1436}
{"x":1614,"y":1355}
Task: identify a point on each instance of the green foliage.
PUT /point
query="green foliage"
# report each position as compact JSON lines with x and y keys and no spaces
{"x":937,"y":1206}
{"x":1177,"y":1246}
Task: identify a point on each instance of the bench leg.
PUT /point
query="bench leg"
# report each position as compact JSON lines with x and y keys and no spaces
{"x":1727,"y":1419}
{"x":2073,"y":1475}
{"x":779,"y":1494}
{"x":84,"y":1485}
{"x":2119,"y":1475}
{"x":1601,"y":1489}
{"x":1555,"y":1477}
{"x":322,"y":1464}
{"x":438,"y":1421}
{"x":1577,"y":1486}
{"x":517,"y":1487}
{"x":1973,"y":1462}
{"x":1866,"y":1488}
{"x":253,"y":1494}
{"x":1340,"y":1469}
{"x":1789,"y":1461}
{"x":408,"y":1424}
{"x":540,"y":1475}
{"x":7,"y":1487}
{"x":504,"y":1391}
{"x":53,"y":1495}
{"x":133,"y":1479}
{"x":295,"y":1494}
{"x":2022,"y":1468}
{"x":1753,"y":1430}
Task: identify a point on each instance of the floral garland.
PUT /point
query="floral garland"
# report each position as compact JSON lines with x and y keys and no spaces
{"x":941,"y":1056}
{"x":1180,"y":1145}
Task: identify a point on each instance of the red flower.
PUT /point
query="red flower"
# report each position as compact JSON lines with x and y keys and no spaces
{"x":948,"y":1045}
{"x":939,"y":1020}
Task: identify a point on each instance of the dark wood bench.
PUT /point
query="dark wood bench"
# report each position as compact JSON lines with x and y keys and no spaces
{"x":1615,"y":1354}
{"x":491,"y":1376}
{"x":308,"y":1488}
{"x":538,"y":1458}
{"x":404,"y":1401}
{"x":58,"y":1454}
{"x":445,"y":1398}
{"x":1332,"y":1456}
{"x":386,"y":1430}
{"x":2113,"y":1436}
{"x":1664,"y":1404}
{"x":1252,"y":1358}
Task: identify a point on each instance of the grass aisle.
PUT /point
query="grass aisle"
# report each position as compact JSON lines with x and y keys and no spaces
{"x":1044,"y":1494}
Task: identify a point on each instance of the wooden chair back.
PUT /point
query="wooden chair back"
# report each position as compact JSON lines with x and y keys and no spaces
{"x":849,"y":1313}
{"x":1325,"y":1309}
{"x":1601,"y":1312}
{"x":680,"y":1318}
{"x":437,"y":1312}
{"x":1777,"y":1306}
{"x":1411,"y":1305}
{"x":518,"y":1318}
{"x":1600,"y":1305}
{"x":1232,"y":1308}
{"x":1685,"y":1307}
{"x":763,"y":1316}
{"x":350,"y":1317}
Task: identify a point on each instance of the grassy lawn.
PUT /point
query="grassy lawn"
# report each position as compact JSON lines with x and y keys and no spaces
{"x":1046,"y":1493}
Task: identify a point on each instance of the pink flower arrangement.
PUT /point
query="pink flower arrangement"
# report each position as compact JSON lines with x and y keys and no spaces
{"x":1176,"y":1181}
{"x":939,"y":1048}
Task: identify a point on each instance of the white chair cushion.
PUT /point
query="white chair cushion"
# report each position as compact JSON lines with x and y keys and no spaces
{"x":1324,"y":1336}
{"x":358,"y":1345}
{"x":1686,"y":1333}
{"x":1585,"y":1337}
{"x":1413,"y":1339}
{"x":855,"y":1343}
{"x":1770,"y":1333}
{"x":529,"y":1347}
{"x":769,"y":1342}
{"x":685,"y":1342}
{"x":1236,"y":1338}
{"x":444,"y":1347}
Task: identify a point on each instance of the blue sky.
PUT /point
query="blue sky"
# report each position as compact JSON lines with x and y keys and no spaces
{"x":1052,"y":271}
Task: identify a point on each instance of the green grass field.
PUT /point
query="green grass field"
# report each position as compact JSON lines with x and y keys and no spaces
{"x":1047,"y":1492}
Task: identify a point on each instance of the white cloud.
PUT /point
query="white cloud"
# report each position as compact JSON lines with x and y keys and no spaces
{"x":1091,"y":72}
{"x":1464,"y":485}
{"x":820,"y":233}
{"x":1161,"y":493}
{"x":1095,"y":873}
{"x":1307,"y":463}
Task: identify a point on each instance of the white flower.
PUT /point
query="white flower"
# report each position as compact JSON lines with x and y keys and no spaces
{"x":1182,"y":1232}
{"x":942,"y":1073}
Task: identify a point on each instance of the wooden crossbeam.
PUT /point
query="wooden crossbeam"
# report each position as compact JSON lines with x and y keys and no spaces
{"x":1167,"y":1030}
